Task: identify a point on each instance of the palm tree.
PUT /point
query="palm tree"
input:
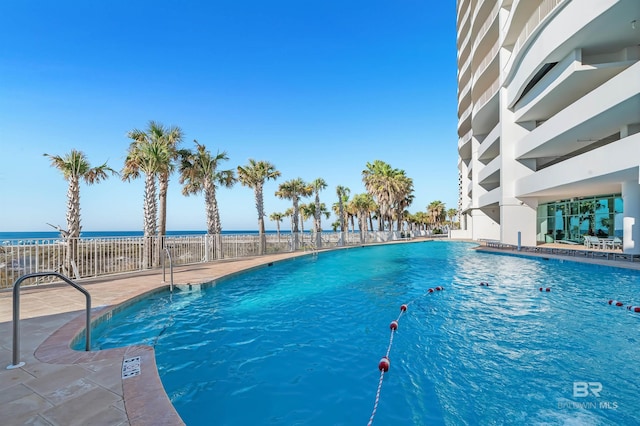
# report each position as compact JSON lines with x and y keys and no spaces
{"x":436,"y":210}
{"x":317,"y":186}
{"x":451,"y":214}
{"x":254,"y":176}
{"x":309,"y":210}
{"x":277,"y":218}
{"x":292,"y":190}
{"x":289,"y":213}
{"x":343,"y":196}
{"x":306,"y":211}
{"x":170,"y":137}
{"x":350,"y":212}
{"x":404,"y":197}
{"x":362,"y":204}
{"x":389,"y":187}
{"x":376,"y":181}
{"x":75,"y":167}
{"x":148,"y":157}
{"x":421,"y":219}
{"x":199,"y":173}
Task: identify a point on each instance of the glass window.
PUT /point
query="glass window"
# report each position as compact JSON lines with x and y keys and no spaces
{"x":572,"y":219}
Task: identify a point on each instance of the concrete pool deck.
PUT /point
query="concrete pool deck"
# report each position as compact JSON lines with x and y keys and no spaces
{"x":60,"y":386}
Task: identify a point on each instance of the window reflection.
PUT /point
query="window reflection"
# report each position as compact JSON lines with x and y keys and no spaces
{"x":571,"y":220}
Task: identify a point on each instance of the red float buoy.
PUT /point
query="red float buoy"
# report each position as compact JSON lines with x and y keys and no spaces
{"x":634,"y":308}
{"x":403,"y":308}
{"x":393,"y":325}
{"x":439,"y":288}
{"x":384,"y":364}
{"x":430,"y":290}
{"x":547,"y":289}
{"x":615,"y":303}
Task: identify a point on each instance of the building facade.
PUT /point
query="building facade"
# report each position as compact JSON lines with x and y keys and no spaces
{"x":549,"y":120}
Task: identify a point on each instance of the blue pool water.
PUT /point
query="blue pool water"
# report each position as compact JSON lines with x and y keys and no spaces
{"x":298,"y":343}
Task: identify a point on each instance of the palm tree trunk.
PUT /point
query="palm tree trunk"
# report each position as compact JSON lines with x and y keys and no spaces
{"x":342,"y":221}
{"x":150,"y":211}
{"x":162,"y":197}
{"x":294,"y":222}
{"x":318,"y":221}
{"x":213,"y":217}
{"x":260,"y":208}
{"x":73,"y":225}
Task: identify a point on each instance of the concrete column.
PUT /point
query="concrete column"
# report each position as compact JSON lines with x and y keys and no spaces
{"x":518,"y":224}
{"x":631,"y":217}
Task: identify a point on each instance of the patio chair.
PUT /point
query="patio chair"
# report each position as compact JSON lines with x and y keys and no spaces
{"x":615,"y":243}
{"x":591,"y":241}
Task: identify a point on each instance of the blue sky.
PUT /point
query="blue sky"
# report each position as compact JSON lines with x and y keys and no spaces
{"x":319,"y":88}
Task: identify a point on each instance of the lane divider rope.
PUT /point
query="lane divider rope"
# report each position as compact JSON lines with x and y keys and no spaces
{"x":631,"y":308}
{"x":385,"y":363}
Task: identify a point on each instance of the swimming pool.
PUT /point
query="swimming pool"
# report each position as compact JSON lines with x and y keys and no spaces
{"x":299,"y":342}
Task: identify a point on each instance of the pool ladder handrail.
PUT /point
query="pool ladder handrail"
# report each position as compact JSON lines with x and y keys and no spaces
{"x":16,"y":312}
{"x":167,"y":254}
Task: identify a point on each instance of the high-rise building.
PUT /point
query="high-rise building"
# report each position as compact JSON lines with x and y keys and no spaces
{"x":549,"y":120}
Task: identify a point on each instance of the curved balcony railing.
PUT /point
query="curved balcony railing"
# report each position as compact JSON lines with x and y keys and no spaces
{"x":464,"y":69}
{"x":486,"y":25}
{"x":464,"y":21}
{"x":461,"y":5}
{"x":486,"y":95}
{"x":487,"y":60}
{"x":463,"y":93}
{"x":465,"y":48}
{"x":538,"y":15}
{"x":465,"y":139}
{"x":465,"y":114}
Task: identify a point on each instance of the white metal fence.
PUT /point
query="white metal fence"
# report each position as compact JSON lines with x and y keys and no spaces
{"x":114,"y":255}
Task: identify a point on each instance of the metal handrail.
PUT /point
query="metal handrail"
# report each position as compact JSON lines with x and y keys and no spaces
{"x":166,"y":251}
{"x":16,"y":312}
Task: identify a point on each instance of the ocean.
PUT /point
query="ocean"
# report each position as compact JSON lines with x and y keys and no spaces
{"x":50,"y":235}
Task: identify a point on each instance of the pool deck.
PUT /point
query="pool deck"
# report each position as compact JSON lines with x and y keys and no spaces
{"x":60,"y":386}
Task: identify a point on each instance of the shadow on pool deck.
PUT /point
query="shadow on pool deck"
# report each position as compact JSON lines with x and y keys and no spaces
{"x":60,"y":386}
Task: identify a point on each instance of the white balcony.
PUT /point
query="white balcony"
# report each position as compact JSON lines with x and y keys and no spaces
{"x":597,"y":115}
{"x":600,"y":171}
{"x":492,"y":197}
{"x":490,"y":145}
{"x":464,"y":146}
{"x":485,"y":113}
{"x":568,"y":81}
{"x":486,"y":26}
{"x":489,"y":176}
